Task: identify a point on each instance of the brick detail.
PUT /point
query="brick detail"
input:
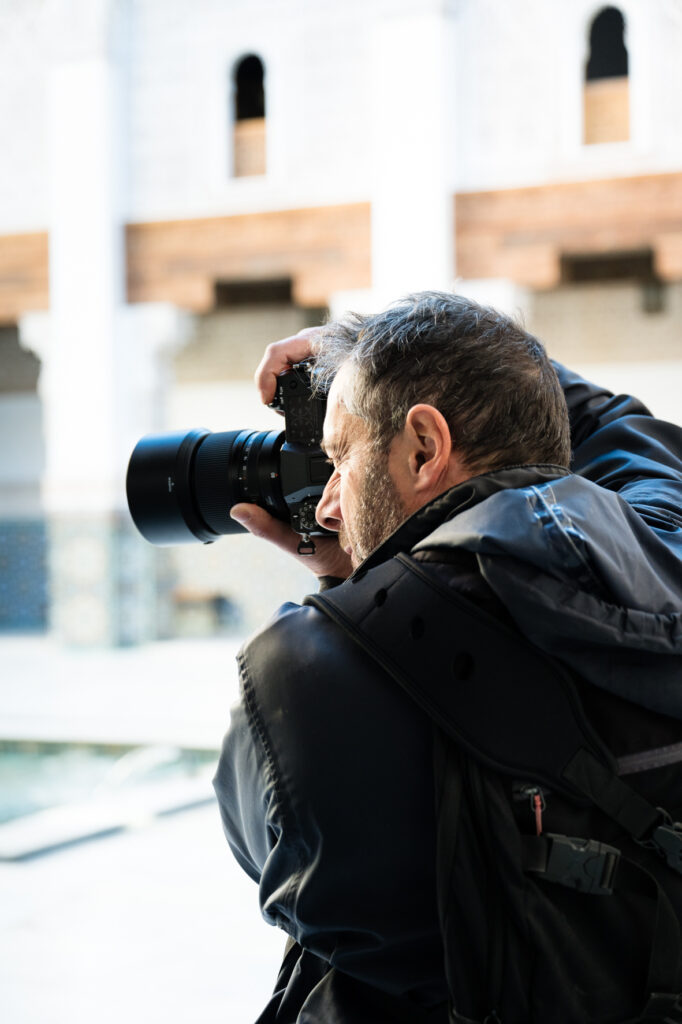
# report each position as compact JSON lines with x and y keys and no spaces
{"x":521,"y":233}
{"x":606,"y":108}
{"x":23,"y":275}
{"x":249,"y":147}
{"x":322,"y":249}
{"x":518,"y":234}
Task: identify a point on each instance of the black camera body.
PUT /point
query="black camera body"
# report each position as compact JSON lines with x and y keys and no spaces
{"x":181,"y":486}
{"x":304,"y":468}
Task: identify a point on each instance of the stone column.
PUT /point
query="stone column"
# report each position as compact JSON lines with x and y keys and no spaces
{"x":413,"y":70}
{"x":98,"y":383}
{"x":106,"y":583}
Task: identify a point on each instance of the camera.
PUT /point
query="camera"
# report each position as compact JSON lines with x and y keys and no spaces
{"x":181,"y":486}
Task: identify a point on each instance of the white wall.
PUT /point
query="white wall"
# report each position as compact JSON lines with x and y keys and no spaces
{"x":520,"y":79}
{"x":517,"y":82}
{"x":318,"y":129}
{"x":518,"y":69}
{"x":23,"y":181}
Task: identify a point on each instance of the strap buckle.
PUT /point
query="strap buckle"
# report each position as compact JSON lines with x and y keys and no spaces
{"x":585,"y":865}
{"x":306,"y":545}
{"x":666,"y":840}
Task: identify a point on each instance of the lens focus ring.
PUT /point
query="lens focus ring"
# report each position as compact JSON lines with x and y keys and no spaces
{"x":213,"y":494}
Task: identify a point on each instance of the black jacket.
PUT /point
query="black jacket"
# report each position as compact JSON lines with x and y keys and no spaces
{"x":325,"y":782}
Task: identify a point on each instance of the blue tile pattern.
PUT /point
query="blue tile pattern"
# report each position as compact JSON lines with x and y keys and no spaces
{"x":23,"y":574}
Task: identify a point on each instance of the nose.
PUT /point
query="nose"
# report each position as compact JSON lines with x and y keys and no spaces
{"x":328,"y":512}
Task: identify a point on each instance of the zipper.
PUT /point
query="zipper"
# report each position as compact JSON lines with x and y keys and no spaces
{"x":536,"y":797}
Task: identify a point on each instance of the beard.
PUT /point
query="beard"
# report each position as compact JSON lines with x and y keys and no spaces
{"x":379,"y":511}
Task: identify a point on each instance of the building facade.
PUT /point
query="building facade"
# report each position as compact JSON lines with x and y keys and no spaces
{"x":183,"y":183}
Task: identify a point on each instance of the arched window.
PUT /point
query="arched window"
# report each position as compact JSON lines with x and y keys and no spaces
{"x":249,"y":118}
{"x":606,"y":93}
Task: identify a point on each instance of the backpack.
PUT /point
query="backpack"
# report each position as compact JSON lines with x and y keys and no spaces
{"x":577,"y":926}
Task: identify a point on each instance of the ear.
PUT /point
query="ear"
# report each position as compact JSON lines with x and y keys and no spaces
{"x":432,"y":463}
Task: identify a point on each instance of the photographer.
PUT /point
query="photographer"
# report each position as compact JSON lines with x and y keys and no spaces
{"x":391,"y":856}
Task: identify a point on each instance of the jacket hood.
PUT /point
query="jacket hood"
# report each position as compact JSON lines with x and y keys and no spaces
{"x":586,"y":577}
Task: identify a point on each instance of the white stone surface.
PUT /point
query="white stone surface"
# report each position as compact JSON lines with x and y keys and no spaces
{"x":157,"y":924}
{"x":515,"y":74}
{"x":168,"y":692}
{"x":24,"y":184}
{"x":79,"y":382}
{"x":318,"y":128}
{"x":413,"y":152}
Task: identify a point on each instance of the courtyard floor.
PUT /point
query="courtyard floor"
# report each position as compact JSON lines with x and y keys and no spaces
{"x":155,"y":923}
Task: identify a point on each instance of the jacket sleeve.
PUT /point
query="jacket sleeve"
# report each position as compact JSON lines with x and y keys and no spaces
{"x":328,"y":818}
{"x":244,"y":790}
{"x":618,"y":444}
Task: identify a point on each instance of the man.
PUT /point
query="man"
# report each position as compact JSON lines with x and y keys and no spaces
{"x":450,"y":435}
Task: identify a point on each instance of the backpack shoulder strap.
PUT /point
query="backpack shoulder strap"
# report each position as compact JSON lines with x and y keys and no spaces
{"x":500,"y":698}
{"x":517,"y":711}
{"x":509,"y":705}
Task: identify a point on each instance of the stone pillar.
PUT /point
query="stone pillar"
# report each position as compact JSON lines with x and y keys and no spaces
{"x":104,"y":579}
{"x":413,"y":68}
{"x":98,"y":381}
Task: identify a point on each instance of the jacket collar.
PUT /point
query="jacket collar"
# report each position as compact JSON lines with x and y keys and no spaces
{"x":449,"y":504}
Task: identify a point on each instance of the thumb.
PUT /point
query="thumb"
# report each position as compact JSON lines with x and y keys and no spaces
{"x":254,"y":519}
{"x":261,"y":524}
{"x":241,"y":514}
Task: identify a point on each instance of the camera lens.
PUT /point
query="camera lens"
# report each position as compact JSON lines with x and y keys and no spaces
{"x":181,"y":486}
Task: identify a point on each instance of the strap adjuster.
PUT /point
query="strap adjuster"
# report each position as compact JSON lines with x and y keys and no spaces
{"x":585,"y":865}
{"x":666,"y":840}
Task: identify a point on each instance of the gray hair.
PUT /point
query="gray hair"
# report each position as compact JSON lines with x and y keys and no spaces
{"x":491,"y":379}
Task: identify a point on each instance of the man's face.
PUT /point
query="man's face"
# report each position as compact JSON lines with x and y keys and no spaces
{"x":361,"y":500}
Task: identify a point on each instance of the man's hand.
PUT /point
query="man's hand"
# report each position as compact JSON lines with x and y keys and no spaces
{"x":329,"y":559}
{"x":280,"y":356}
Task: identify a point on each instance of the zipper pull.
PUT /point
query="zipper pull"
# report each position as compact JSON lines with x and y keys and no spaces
{"x":536,"y":796}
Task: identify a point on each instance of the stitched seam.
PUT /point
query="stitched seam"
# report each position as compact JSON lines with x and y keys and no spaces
{"x":287,"y":815}
{"x":564,"y":531}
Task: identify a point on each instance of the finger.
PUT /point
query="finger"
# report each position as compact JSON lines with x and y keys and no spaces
{"x":261,"y":524}
{"x":279,"y":356}
{"x":328,"y":560}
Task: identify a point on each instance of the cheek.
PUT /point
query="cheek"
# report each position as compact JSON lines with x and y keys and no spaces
{"x":349,"y":493}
